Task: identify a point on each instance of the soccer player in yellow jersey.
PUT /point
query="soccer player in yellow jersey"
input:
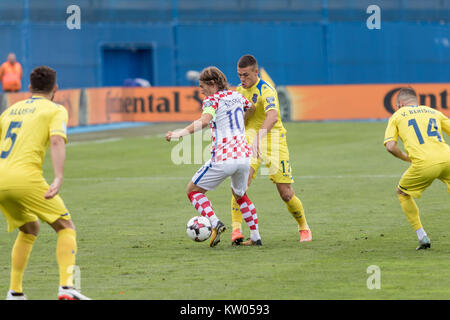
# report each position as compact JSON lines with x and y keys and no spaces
{"x":27,"y":128}
{"x":420,"y":128}
{"x":267,"y":135}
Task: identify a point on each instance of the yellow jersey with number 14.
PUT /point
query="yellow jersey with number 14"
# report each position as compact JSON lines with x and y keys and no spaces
{"x":25,"y":130}
{"x":420,"y":129}
{"x":264,"y":97}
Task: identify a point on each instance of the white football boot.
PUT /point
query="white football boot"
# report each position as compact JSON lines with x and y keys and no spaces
{"x":12,"y":295}
{"x":68,"y":293}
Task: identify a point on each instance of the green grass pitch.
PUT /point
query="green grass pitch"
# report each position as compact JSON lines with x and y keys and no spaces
{"x":128,"y":202}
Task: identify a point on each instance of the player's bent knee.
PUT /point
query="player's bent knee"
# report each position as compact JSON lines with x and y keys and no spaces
{"x":61,"y":224}
{"x":401,"y":193}
{"x":31,"y":228}
{"x":403,"y":196}
{"x":286,"y":192}
{"x":192,"y":188}
{"x":286,"y":196}
{"x":237,"y":196}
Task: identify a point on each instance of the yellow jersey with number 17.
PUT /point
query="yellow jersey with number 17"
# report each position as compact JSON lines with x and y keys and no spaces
{"x":264,"y":97}
{"x":25,"y":130}
{"x":420,"y":129}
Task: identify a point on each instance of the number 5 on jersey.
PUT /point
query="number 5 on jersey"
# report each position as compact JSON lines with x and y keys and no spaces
{"x":11,"y":135}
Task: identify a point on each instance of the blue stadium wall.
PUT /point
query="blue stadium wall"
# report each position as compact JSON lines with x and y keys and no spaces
{"x":298,"y":42}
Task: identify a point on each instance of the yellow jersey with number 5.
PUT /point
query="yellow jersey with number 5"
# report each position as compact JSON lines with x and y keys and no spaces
{"x":25,"y":130}
{"x":420,"y":129}
{"x":264,"y":97}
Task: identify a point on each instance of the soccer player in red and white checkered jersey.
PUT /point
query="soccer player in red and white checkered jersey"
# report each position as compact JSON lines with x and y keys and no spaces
{"x":224,"y":110}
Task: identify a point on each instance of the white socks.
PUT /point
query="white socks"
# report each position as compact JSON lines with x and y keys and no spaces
{"x":254,"y":235}
{"x":421,"y":233}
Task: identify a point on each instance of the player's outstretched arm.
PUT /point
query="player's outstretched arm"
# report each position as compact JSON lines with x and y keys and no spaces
{"x":197,"y":125}
{"x":58,"y":154}
{"x":394,"y":149}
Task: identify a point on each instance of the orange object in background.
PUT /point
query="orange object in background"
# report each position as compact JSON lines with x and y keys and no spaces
{"x":183,"y":104}
{"x":70,"y":99}
{"x":352,"y":102}
{"x":10,"y":76}
{"x":155,"y":104}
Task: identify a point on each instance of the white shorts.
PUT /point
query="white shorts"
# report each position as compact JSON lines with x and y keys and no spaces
{"x":212,"y":174}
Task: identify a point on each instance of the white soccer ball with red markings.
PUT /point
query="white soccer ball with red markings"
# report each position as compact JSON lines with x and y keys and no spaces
{"x":199,"y":228}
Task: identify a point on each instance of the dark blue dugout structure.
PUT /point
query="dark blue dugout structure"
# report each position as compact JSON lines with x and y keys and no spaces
{"x":297,"y":41}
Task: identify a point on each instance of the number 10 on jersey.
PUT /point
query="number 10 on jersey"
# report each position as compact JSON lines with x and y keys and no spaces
{"x":236,"y":118}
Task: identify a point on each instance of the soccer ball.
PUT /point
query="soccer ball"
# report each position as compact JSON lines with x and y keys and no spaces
{"x":199,"y":228}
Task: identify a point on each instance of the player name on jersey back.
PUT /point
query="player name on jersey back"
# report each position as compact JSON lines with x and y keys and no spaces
{"x":420,"y":129}
{"x":25,"y":130}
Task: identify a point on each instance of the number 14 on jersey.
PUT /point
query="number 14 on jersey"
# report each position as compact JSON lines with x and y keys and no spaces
{"x":432,"y":130}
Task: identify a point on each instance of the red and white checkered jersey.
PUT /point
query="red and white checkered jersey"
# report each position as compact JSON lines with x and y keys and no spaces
{"x":227,"y":125}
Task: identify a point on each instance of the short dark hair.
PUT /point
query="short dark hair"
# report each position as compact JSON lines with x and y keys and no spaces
{"x":42,"y":79}
{"x":246,"y":61}
{"x":406,"y":93}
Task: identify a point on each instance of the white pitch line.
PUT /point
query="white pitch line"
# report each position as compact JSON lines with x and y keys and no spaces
{"x":77,"y":143}
{"x":374,"y":176}
{"x":351,"y":176}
